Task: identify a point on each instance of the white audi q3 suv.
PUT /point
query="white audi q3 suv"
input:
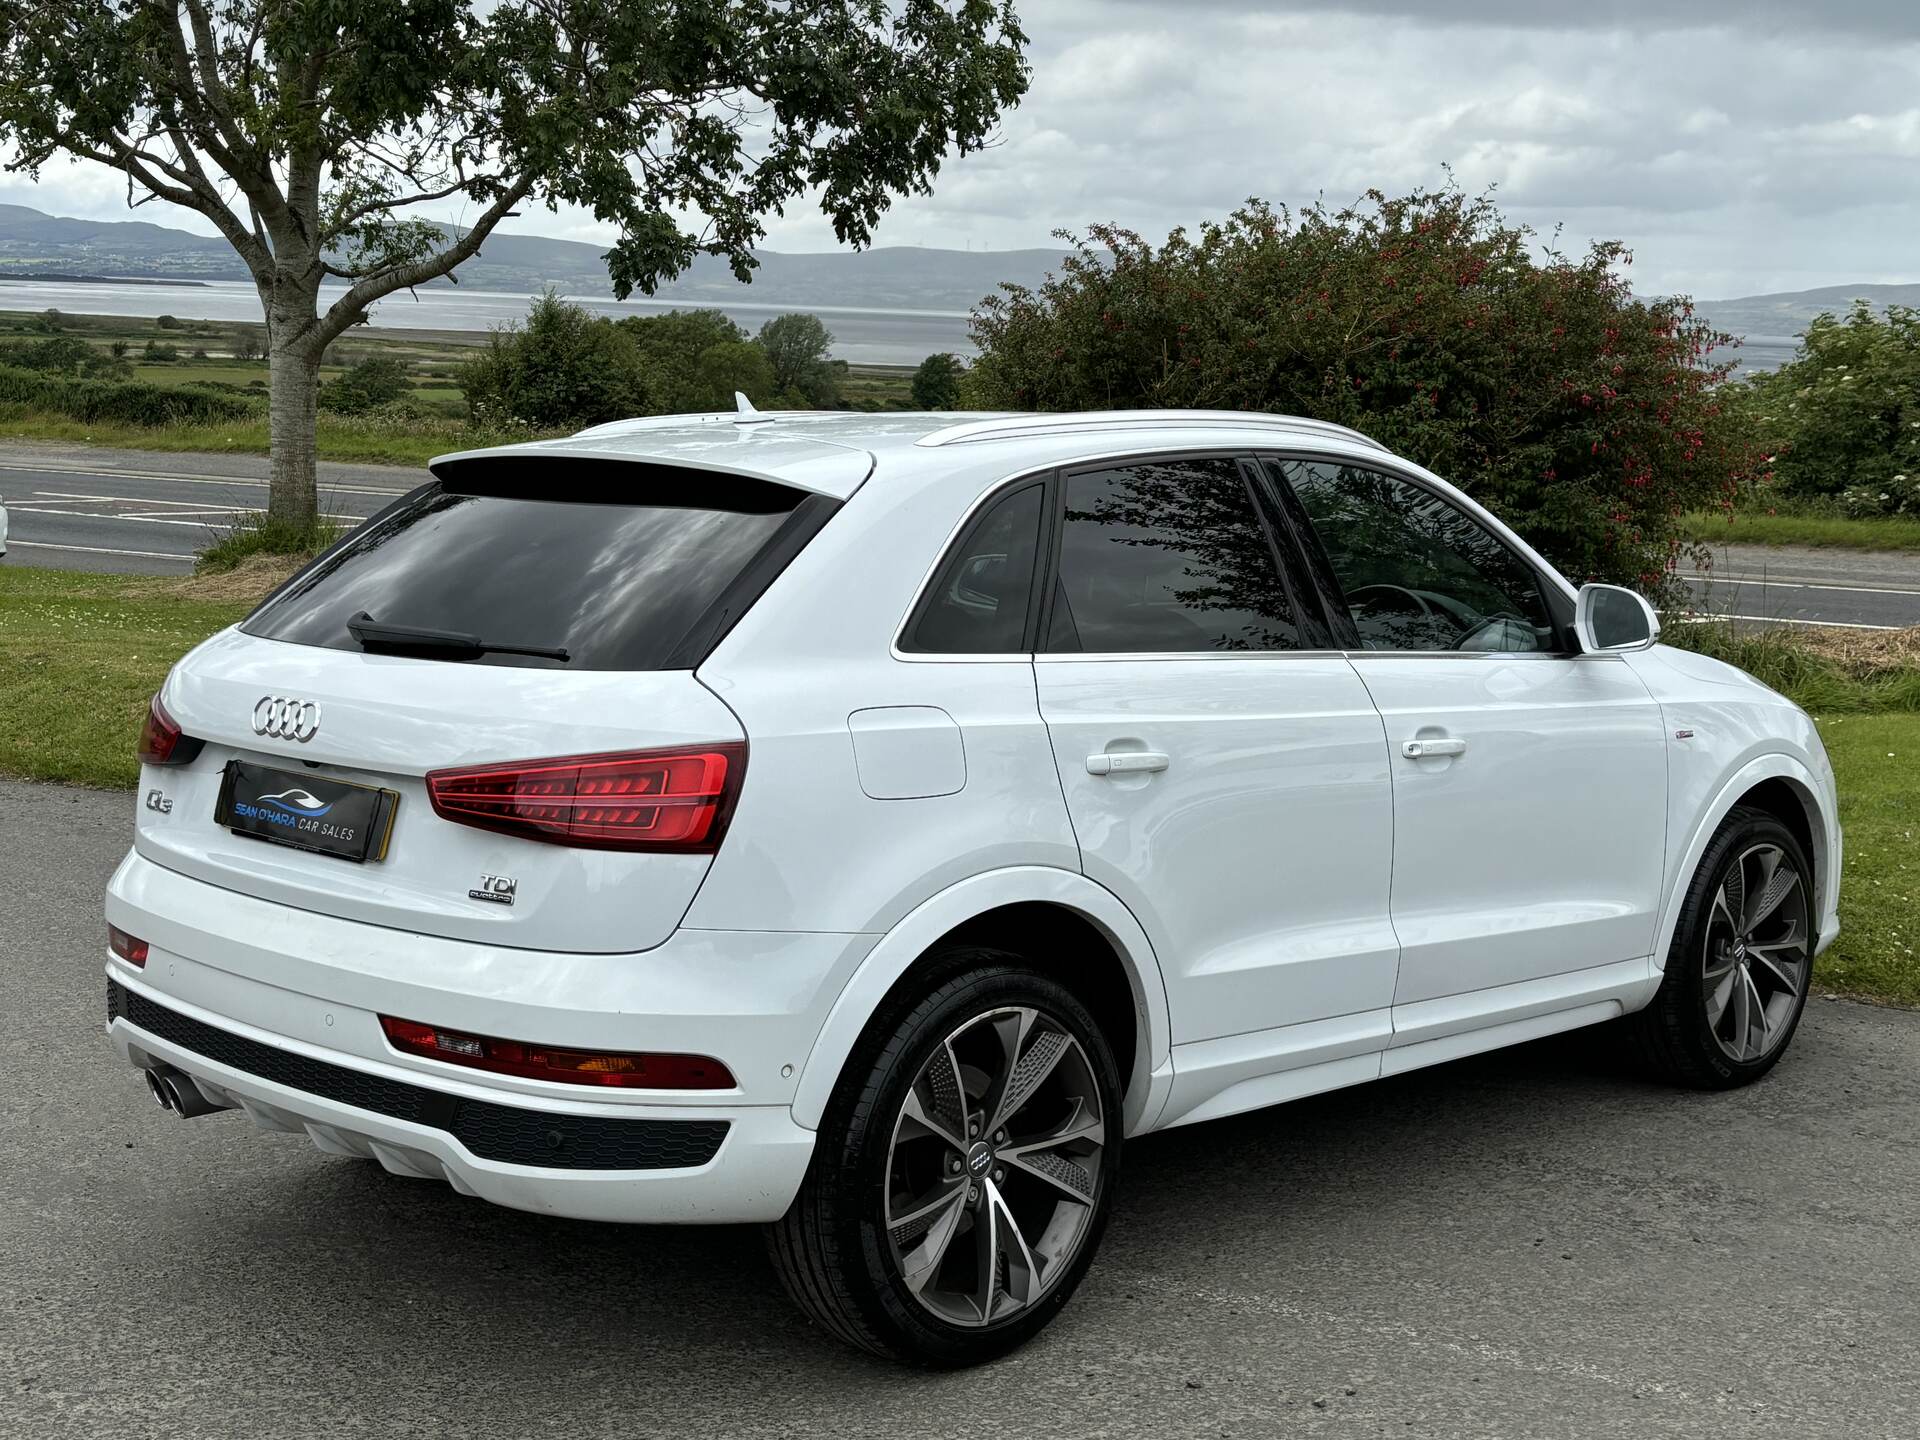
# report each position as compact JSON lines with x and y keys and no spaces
{"x":865,"y":825}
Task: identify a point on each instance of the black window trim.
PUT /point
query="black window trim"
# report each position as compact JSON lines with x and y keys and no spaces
{"x":1281,"y":553}
{"x":961,"y":534}
{"x":1565,"y":646}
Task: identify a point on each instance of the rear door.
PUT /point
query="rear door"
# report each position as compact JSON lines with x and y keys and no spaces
{"x":1225,"y":771}
{"x":1529,"y":782}
{"x":608,"y":585}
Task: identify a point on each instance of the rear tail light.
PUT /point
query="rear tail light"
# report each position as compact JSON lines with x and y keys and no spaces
{"x":545,"y":1062}
{"x":129,"y":948}
{"x":663,"y":800}
{"x":161,"y":741}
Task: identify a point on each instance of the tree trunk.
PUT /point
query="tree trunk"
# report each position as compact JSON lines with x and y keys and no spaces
{"x":292,"y":496}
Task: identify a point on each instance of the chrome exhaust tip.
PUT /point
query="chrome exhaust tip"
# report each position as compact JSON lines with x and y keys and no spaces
{"x":162,"y":1093}
{"x":175,"y":1092}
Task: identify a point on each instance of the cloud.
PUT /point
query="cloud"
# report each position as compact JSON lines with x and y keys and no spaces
{"x":1736,"y":145}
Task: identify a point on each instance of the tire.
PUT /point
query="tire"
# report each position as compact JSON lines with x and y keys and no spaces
{"x":1027,"y":1203}
{"x":1691,"y":1033}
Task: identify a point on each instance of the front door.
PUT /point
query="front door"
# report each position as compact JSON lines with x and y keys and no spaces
{"x":1529,"y":782}
{"x":1225,"y":771}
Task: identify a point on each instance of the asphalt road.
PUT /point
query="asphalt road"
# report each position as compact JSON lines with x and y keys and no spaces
{"x":1524,"y":1244}
{"x":147,"y":512}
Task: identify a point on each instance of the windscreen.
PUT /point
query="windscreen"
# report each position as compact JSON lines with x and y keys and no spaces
{"x":616,"y":584}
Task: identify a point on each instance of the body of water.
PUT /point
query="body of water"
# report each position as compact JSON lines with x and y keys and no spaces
{"x":860,"y":335}
{"x":870,"y":336}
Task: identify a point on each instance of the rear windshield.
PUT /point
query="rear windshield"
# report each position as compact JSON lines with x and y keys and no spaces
{"x":617,"y":584}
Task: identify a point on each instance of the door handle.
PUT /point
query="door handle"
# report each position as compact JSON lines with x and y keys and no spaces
{"x":1427,"y":749}
{"x":1126,"y":762}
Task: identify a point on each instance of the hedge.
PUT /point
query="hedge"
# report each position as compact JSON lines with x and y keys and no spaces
{"x":125,"y":403}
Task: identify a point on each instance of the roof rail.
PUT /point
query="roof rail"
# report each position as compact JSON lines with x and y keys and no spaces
{"x":1007,"y":427}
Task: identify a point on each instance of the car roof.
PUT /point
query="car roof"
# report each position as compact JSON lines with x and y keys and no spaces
{"x":833,"y":452}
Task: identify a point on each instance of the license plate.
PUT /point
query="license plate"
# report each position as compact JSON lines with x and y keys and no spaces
{"x":308,"y":812}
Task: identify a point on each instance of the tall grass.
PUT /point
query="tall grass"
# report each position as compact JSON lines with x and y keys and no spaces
{"x":1822,"y":676}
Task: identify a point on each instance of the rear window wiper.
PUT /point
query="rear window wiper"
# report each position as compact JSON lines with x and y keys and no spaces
{"x":380,"y":635}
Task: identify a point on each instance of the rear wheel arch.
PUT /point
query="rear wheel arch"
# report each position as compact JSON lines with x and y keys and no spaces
{"x":1062,"y":925}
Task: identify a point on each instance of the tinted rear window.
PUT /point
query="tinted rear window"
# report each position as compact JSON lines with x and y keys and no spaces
{"x":618,"y":585}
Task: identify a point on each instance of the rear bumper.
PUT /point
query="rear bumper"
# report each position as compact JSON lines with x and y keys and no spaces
{"x":651,"y":1164}
{"x":276,"y":1012}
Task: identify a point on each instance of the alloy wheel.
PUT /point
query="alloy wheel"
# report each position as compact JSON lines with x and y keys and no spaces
{"x":995,"y":1166}
{"x":1757,"y":955}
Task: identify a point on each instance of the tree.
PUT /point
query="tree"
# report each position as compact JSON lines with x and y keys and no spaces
{"x":246,"y":345}
{"x":565,"y":366}
{"x":1590,"y":420}
{"x":693,"y":360}
{"x":1843,"y":417}
{"x":309,"y":132}
{"x":797,"y":347}
{"x":936,"y":384}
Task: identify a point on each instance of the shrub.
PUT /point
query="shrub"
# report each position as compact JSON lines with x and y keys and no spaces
{"x":1844,"y":416}
{"x":159,"y":352}
{"x":1588,"y":419}
{"x":129,"y":403}
{"x":167,"y":322}
{"x":377,"y":380}
{"x":58,"y":354}
{"x":936,"y":384}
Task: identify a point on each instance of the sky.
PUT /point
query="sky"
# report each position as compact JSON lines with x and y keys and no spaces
{"x":1738,"y":146}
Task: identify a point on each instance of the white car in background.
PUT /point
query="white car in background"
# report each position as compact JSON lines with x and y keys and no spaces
{"x":868,"y":825}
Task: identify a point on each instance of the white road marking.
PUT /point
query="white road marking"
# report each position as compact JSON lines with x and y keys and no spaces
{"x":97,"y":515}
{"x":102,"y":550}
{"x":1798,"y":584}
{"x":1784,"y":620}
{"x":325,"y":486}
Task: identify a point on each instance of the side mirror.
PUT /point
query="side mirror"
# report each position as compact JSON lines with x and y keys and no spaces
{"x":1610,"y":620}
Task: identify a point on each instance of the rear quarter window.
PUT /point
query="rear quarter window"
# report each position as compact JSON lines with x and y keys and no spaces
{"x":621,"y":568}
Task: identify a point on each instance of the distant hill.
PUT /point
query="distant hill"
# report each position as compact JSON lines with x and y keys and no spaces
{"x":887,"y":277}
{"x":1791,"y":311}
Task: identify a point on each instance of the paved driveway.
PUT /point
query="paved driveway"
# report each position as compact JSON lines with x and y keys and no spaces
{"x":1524,"y":1244}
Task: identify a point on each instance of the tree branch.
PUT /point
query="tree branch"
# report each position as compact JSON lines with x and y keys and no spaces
{"x":352,"y":306}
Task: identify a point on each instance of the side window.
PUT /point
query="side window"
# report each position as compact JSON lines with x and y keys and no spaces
{"x":1167,"y":556}
{"x":1418,"y":574}
{"x":978,"y":602}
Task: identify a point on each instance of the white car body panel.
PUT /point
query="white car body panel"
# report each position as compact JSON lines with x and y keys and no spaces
{"x":1291,"y":905}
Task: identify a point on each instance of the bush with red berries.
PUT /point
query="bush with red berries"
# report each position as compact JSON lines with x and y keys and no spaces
{"x":1587,"y":418}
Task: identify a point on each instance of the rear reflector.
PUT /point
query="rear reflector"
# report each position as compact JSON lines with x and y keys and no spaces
{"x":569,"y":1067}
{"x":161,"y":742}
{"x":127,"y":947}
{"x":671,"y":800}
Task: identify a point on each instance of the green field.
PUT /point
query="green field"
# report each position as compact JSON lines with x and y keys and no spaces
{"x":113,"y":638}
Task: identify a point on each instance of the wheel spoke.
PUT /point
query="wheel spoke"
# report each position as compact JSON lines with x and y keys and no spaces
{"x":1723,"y":908}
{"x":1029,"y":1073}
{"x":920,"y":1263}
{"x":1757,"y":1015}
{"x":1780,"y":885}
{"x":1777,"y":969}
{"x":916,"y":1113}
{"x":986,"y":1242}
{"x":1742,"y":1015}
{"x":1044,"y":1157}
{"x":1023,"y":1271}
{"x":1721,"y":994}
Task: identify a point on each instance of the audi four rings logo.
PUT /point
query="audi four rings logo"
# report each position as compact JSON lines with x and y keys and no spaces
{"x":285,"y":719}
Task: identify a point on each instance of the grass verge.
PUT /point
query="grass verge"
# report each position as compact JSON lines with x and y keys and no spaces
{"x":1871,"y":672}
{"x":109,"y":639}
{"x":1876,"y":759}
{"x":1893,"y":532}
{"x":339,"y":437}
{"x":112,"y":639}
